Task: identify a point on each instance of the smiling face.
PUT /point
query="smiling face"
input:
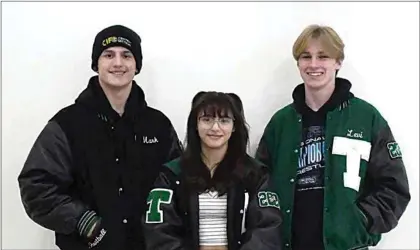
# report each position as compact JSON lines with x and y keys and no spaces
{"x":317,"y":68}
{"x":116,"y":67}
{"x":319,"y":53}
{"x":214,"y":131}
{"x":215,"y":127}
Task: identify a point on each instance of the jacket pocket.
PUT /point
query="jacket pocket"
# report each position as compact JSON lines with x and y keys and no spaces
{"x":365,"y":247}
{"x":362,"y":222}
{"x":363,"y":216}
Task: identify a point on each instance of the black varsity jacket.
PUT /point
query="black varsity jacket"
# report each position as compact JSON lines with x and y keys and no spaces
{"x":89,"y":158}
{"x":253,"y":213}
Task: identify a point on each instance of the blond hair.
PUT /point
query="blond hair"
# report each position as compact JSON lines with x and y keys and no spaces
{"x":330,"y":40}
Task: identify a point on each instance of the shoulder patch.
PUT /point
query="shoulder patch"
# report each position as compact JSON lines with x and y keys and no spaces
{"x":394,"y":150}
{"x":157,"y":197}
{"x":268,"y":199}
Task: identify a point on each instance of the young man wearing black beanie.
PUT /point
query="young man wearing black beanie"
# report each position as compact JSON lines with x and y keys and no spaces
{"x":89,"y":172}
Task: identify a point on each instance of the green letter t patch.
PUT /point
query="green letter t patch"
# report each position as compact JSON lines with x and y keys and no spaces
{"x":156,"y":197}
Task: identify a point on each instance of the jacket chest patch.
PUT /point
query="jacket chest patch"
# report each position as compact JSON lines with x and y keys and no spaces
{"x":354,"y":150}
{"x":157,"y":197}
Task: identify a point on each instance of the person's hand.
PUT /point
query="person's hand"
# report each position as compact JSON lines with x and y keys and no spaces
{"x":91,"y":229}
{"x":96,"y":234}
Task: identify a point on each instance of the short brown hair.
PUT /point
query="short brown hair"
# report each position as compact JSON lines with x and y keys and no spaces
{"x":332,"y":42}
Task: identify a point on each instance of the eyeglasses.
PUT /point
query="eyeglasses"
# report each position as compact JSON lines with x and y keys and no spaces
{"x":208,"y":122}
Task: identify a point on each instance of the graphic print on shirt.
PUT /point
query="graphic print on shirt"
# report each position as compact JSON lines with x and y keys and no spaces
{"x":310,"y":173}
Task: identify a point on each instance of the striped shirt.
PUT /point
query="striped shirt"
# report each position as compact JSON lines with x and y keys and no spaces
{"x":212,"y":219}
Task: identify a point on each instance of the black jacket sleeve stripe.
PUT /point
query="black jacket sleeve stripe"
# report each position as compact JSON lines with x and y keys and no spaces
{"x":44,"y":182}
{"x":386,"y":193}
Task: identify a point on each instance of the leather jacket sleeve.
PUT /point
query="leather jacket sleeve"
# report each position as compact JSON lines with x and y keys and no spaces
{"x":172,"y":146}
{"x":263,"y":224}
{"x":162,"y":223}
{"x":45,"y":180}
{"x":267,"y":144}
{"x":386,"y":192}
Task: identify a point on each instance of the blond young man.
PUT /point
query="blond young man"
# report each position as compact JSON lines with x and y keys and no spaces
{"x":337,"y":168}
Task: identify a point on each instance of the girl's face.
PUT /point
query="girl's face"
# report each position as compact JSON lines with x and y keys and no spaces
{"x":215,"y":131}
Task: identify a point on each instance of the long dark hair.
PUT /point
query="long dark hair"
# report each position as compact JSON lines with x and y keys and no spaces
{"x":196,"y":174}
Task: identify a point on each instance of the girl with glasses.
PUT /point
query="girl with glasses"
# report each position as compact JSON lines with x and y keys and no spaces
{"x":215,"y":196}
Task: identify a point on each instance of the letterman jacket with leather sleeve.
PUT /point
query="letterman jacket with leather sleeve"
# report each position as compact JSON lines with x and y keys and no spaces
{"x":366,"y":186}
{"x":253,"y":214}
{"x":88,"y":158}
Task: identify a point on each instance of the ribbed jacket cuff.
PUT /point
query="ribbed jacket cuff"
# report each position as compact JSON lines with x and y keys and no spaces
{"x":87,"y":222}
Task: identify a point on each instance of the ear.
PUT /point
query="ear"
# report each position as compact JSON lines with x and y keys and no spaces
{"x":338,"y":64}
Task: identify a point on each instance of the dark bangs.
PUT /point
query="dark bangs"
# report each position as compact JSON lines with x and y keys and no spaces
{"x":214,"y":105}
{"x":195,"y":173}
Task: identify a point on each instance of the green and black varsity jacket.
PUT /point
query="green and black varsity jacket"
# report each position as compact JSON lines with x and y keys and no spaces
{"x":366,"y":187}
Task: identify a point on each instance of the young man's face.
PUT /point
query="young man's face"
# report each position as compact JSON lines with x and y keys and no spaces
{"x":116,"y":67}
{"x":316,"y":68}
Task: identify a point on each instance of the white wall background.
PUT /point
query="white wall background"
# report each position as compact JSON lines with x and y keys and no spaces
{"x":190,"y":46}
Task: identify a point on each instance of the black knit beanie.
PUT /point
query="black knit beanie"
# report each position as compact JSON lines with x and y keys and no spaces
{"x":117,"y":35}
